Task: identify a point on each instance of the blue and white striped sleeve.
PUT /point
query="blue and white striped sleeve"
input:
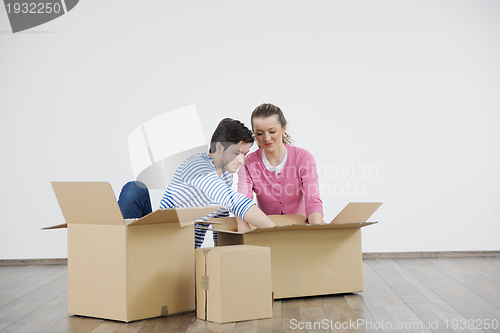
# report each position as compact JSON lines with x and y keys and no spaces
{"x":213,"y":187}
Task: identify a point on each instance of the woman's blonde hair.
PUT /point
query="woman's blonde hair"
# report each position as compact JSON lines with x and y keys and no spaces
{"x":268,"y":110}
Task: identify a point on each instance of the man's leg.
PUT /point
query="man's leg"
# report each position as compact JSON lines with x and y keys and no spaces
{"x":134,"y":200}
{"x":199,"y":235}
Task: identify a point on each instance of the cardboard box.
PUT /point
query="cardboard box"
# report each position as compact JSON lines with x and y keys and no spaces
{"x":309,"y":259}
{"x":233,"y":283}
{"x":126,"y":270}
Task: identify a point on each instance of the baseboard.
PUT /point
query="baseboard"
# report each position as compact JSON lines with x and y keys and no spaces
{"x":367,"y":255}
{"x":430,"y":254}
{"x":28,"y":262}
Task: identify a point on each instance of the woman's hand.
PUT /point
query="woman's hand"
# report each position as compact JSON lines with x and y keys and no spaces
{"x":315,"y":218}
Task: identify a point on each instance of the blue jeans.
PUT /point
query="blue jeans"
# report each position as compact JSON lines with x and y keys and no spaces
{"x":134,"y":200}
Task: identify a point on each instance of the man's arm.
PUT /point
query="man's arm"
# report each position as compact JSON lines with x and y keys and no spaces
{"x":238,"y":204}
{"x":242,"y":225}
{"x":256,"y":217}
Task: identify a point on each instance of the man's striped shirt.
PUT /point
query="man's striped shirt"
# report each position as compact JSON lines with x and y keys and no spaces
{"x":197,"y":184}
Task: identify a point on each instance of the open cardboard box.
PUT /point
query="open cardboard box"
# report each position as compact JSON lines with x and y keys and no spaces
{"x":309,"y":259}
{"x":126,"y":270}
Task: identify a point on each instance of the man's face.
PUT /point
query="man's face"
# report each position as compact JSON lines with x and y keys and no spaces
{"x":234,"y":156}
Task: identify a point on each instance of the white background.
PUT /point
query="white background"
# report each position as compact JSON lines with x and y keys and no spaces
{"x":409,"y":90}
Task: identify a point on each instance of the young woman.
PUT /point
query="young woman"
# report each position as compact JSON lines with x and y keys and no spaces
{"x":283,"y":177}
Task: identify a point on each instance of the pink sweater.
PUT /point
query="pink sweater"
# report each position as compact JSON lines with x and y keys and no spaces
{"x":294,"y":191}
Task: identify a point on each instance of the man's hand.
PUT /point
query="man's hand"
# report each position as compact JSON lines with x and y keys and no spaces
{"x":243,"y":226}
{"x":257,"y":218}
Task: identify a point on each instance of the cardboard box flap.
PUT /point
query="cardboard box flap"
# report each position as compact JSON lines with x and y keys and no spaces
{"x":322,"y":226}
{"x":217,"y":229}
{"x":356,"y":212}
{"x":224,"y":223}
{"x":88,"y":203}
{"x":185,"y":216}
{"x":59,"y":226}
{"x":230,"y":224}
{"x":354,"y":215}
{"x":311,"y":227}
{"x":288,"y":219}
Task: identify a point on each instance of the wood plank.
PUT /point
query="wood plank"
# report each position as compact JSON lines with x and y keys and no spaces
{"x":315,"y":316}
{"x":341,"y":317}
{"x":362,"y":314}
{"x":249,"y":326}
{"x":464,"y":301}
{"x":32,"y":308}
{"x":13,"y":312}
{"x":481,"y":286}
{"x":407,"y":291}
{"x":274,"y":324}
{"x":398,"y":280}
{"x":115,"y":326}
{"x":5,"y":270}
{"x":375,"y":289}
{"x":439,"y":316}
{"x":262,"y":325}
{"x":492,"y":261}
{"x":178,"y":323}
{"x":303,"y":314}
{"x":393,"y":312}
{"x":202,"y":326}
{"x":482,"y":267}
{"x":30,"y":284}
{"x":42,"y":318}
{"x":23,"y":273}
{"x":429,"y":307}
{"x":46,"y":293}
{"x":75,"y":324}
{"x":290,"y":311}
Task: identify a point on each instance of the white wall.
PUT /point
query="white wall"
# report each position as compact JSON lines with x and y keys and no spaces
{"x":408,"y":90}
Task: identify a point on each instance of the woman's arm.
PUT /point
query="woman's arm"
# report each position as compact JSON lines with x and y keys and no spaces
{"x":315,"y":218}
{"x":255,"y":217}
{"x":310,"y":188}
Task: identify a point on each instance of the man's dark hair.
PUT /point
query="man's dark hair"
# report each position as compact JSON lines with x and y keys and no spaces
{"x":230,"y":132}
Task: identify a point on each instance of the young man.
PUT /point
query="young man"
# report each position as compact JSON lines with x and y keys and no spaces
{"x":206,"y":179}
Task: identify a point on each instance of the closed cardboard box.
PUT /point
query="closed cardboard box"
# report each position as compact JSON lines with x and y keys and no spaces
{"x":233,"y":283}
{"x":126,"y":270}
{"x":306,"y":259}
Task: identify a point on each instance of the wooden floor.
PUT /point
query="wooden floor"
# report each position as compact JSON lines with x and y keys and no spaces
{"x":401,"y":295}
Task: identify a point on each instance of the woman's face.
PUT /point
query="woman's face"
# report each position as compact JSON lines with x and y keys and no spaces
{"x":268,"y":132}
